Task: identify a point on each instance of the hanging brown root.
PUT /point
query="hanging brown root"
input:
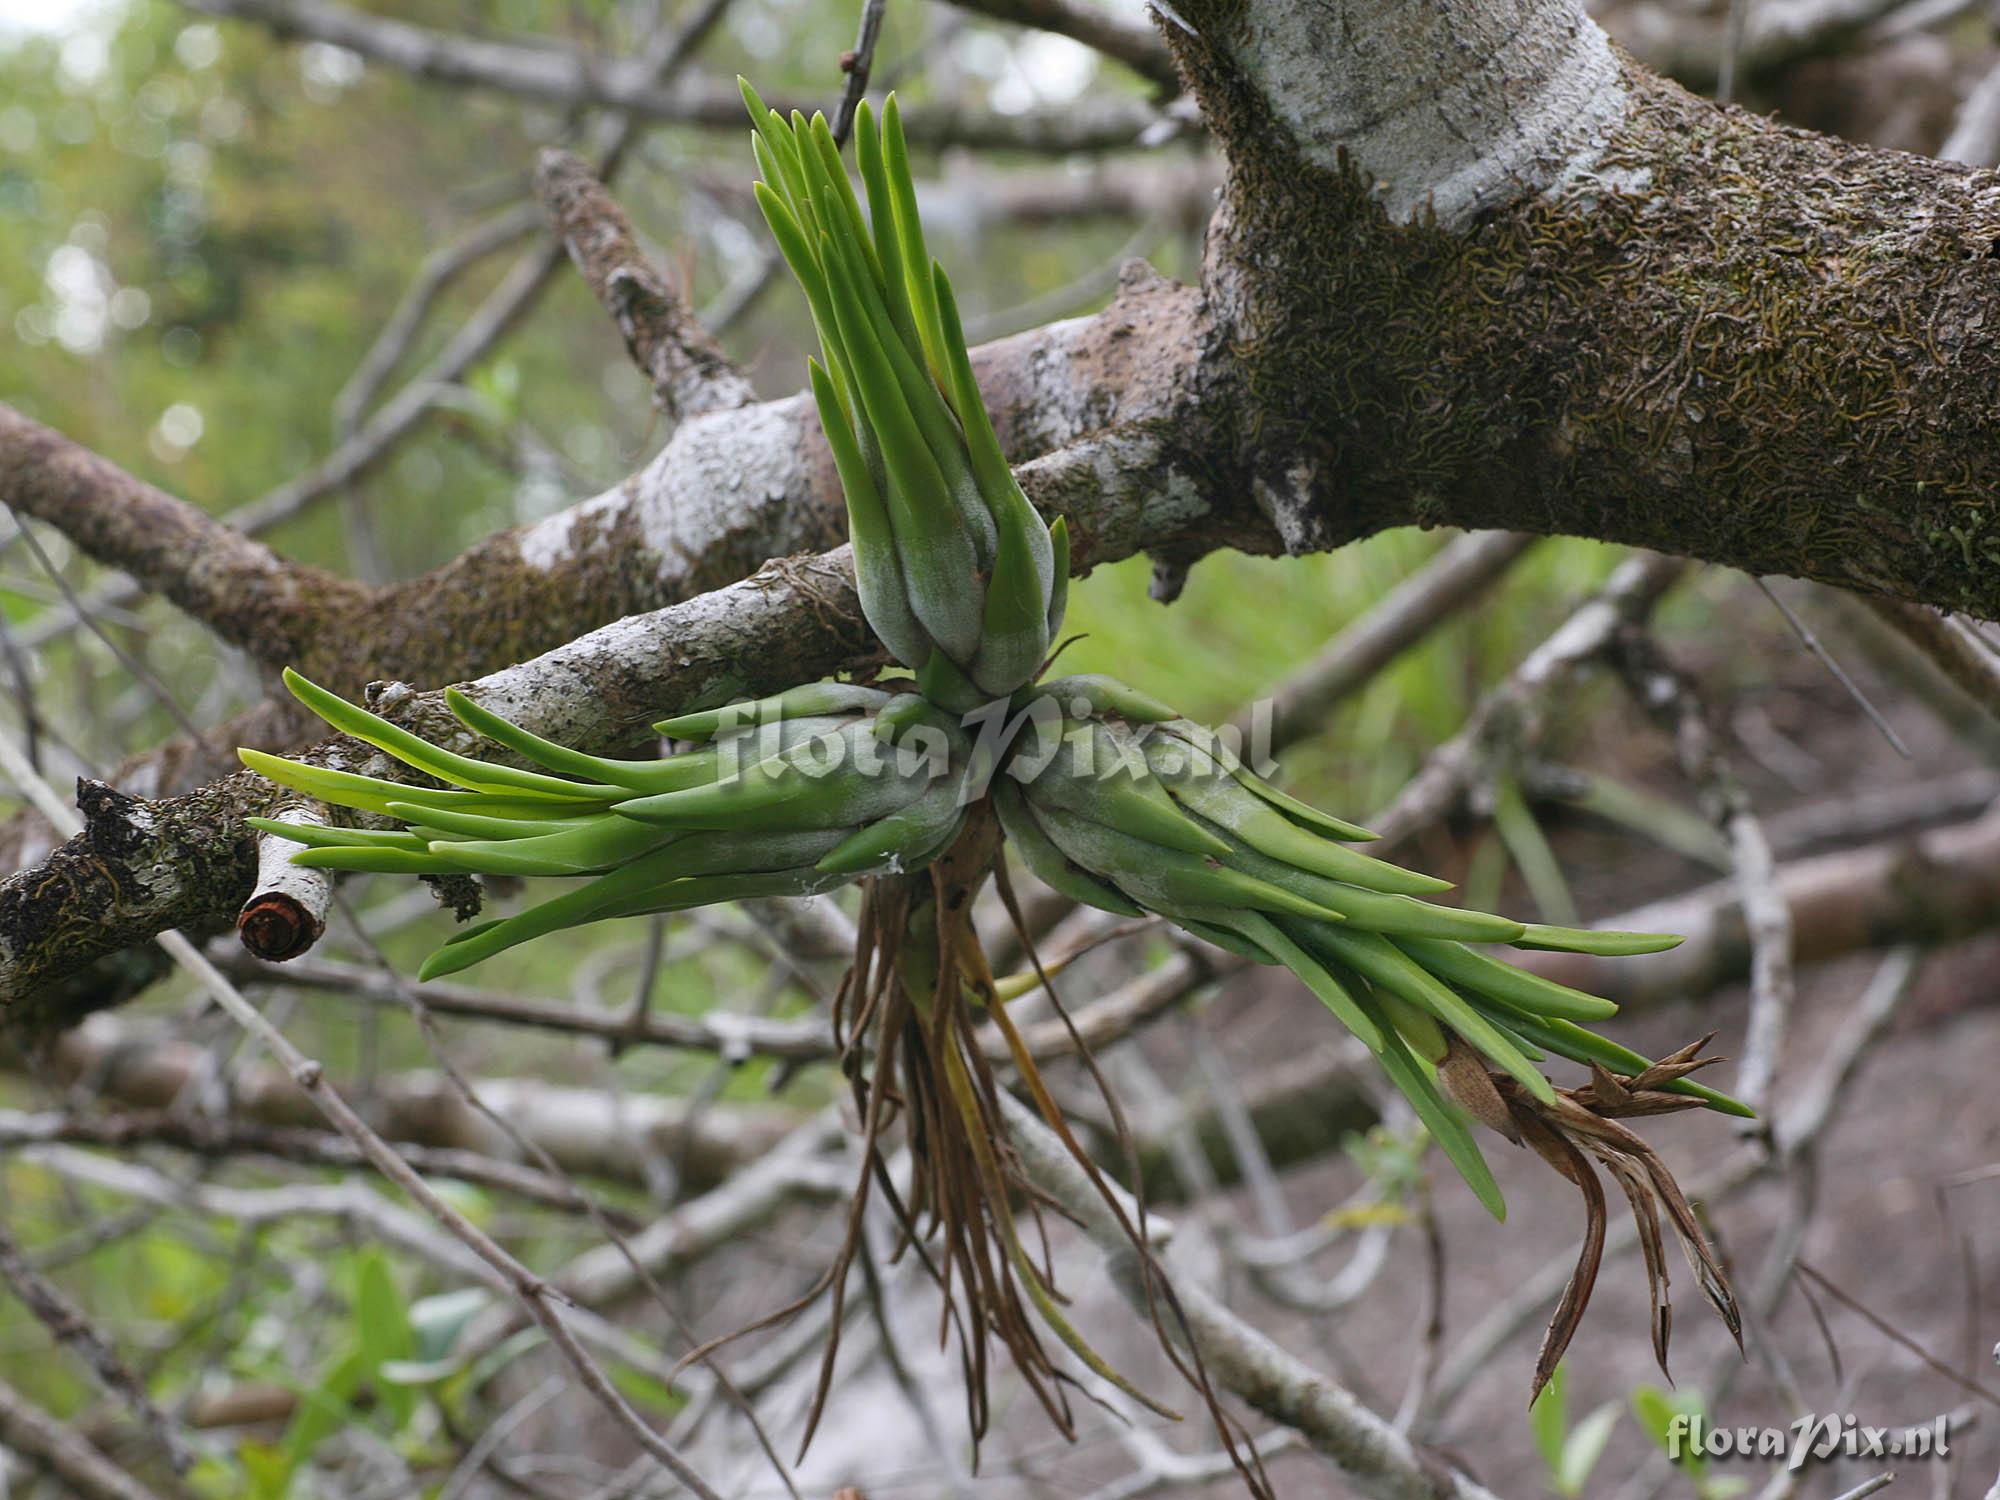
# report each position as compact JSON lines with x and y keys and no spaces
{"x":1581,"y":1125}
{"x":907,"y":1019}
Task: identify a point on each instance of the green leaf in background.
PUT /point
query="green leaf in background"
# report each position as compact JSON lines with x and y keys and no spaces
{"x":382,"y":1326}
{"x":438,"y":1321}
{"x":1656,"y":1410}
{"x":1584,"y":1448}
{"x":1528,"y":846}
{"x":647,"y":1391}
{"x":1548,"y":1418}
{"x":266,"y":1466}
{"x":322,"y":1411}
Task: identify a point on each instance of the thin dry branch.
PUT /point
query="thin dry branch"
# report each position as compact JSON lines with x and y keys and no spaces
{"x":1104,"y":1020}
{"x":689,"y":371}
{"x":439,"y":270}
{"x":1452,"y":580}
{"x":1132,"y":43}
{"x":72,"y":1328}
{"x":1376,"y":1459}
{"x":583,"y":1129}
{"x":549,"y":71}
{"x":1675,"y":704}
{"x":240,"y":589}
{"x":1957,"y":648}
{"x":1509,"y":719}
{"x":222,"y":1139}
{"x":71,"y":1458}
{"x":1933,"y":888}
{"x":363,"y":445}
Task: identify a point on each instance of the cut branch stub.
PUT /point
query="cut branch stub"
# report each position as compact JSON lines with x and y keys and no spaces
{"x":286,"y":915}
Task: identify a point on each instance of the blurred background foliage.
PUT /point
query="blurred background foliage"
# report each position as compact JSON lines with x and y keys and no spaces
{"x":202,"y":231}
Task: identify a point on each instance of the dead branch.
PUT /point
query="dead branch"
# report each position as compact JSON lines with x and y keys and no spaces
{"x":1933,"y":888}
{"x":689,"y":371}
{"x":1375,"y":1458}
{"x":1134,"y":44}
{"x":1511,"y":717}
{"x":39,"y":1437}
{"x":238,"y":588}
{"x":560,"y":75}
{"x":585,"y":1130}
{"x":1453,"y":580}
{"x":1957,"y":647}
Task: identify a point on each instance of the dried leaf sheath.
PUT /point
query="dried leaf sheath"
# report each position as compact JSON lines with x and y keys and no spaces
{"x":1582,"y":1124}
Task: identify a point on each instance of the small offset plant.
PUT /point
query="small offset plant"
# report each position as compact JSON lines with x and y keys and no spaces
{"x":913,"y":785}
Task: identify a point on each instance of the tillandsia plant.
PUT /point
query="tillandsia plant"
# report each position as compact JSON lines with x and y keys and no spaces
{"x":911,"y":786}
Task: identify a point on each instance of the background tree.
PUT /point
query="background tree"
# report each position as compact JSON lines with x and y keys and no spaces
{"x":306,"y":269}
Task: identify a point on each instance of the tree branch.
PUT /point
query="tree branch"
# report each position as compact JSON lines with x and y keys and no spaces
{"x":549,"y":71}
{"x":1555,"y":292}
{"x":1133,"y":43}
{"x":1457,"y":577}
{"x":1376,"y":1458}
{"x":689,"y":371}
{"x":32,"y":1432}
{"x":729,"y":490}
{"x":240,"y":589}
{"x":1676,"y":325}
{"x":1934,"y":888}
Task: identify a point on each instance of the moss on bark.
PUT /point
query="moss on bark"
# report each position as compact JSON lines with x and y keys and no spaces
{"x":1729,"y":339}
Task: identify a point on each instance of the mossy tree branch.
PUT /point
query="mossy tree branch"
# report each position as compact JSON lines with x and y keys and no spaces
{"x":1476,"y":266}
{"x":1473,"y":266}
{"x":731,"y":488}
{"x":73,"y":924}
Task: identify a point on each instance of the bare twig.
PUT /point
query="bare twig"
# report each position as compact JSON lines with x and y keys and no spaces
{"x":1827,"y":659}
{"x":1378,"y":1460}
{"x":1453,"y":578}
{"x":32,"y":1432}
{"x":1132,"y":43}
{"x":560,"y":75}
{"x":578,"y":1126}
{"x":858,"y":63}
{"x":315,"y":596}
{"x":1511,"y":716}
{"x":1931,"y":888}
{"x":532,"y":1291}
{"x":1670,"y":697}
{"x":689,"y":371}
{"x":1952,"y":645}
{"x":68,"y":1325}
{"x":223,"y":1138}
{"x":439,"y":270}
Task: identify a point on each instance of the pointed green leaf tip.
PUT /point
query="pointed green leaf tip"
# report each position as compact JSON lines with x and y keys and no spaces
{"x":755,"y":812}
{"x":952,"y":559}
{"x":1148,"y":810}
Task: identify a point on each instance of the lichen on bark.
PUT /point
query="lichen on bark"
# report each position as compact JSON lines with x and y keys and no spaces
{"x":1725,"y":338}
